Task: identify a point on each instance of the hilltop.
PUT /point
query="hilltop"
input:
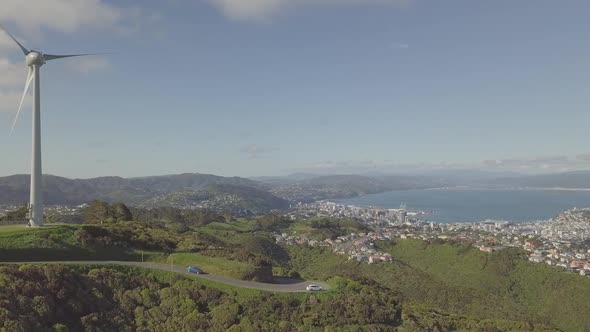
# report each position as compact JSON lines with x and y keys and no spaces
{"x":205,"y":190}
{"x":155,"y":191}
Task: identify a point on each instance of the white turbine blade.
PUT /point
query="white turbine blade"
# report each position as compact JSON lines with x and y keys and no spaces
{"x":27,"y":84}
{"x":25,"y":51}
{"x":49,"y":57}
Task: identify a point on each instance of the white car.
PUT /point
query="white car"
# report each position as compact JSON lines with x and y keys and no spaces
{"x":313,"y":288}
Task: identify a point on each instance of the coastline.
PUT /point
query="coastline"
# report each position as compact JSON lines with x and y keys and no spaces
{"x":476,"y":204}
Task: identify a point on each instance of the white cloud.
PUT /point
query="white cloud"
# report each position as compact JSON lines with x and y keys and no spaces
{"x":9,"y":101}
{"x":13,"y":74}
{"x":63,"y":16}
{"x":265,"y":9}
{"x":60,"y":15}
{"x":12,"y":83}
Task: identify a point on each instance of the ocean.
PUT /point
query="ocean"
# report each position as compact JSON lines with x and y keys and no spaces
{"x":472,"y":205}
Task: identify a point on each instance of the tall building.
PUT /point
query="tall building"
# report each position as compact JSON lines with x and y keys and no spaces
{"x":403,"y":216}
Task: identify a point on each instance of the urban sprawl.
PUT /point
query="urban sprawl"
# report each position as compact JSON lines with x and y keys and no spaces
{"x":563,"y":241}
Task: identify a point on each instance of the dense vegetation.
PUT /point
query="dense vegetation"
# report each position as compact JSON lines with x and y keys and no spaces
{"x":63,"y":298}
{"x":117,"y":240}
{"x":18,"y":214}
{"x":322,"y":228}
{"x":430,"y":286}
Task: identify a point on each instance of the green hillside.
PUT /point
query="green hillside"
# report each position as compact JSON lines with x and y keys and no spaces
{"x":465,"y":281}
{"x":430,"y":286}
{"x":110,"y":298}
{"x":135,"y":191}
{"x":326,"y":228}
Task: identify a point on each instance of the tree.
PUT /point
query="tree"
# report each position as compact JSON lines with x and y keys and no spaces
{"x":18,"y":214}
{"x":121,"y":212}
{"x":96,"y":212}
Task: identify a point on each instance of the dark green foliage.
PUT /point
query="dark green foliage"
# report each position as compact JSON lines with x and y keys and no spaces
{"x":436,"y":286}
{"x":60,"y":298}
{"x":321,"y":228}
{"x":262,"y":246}
{"x":108,"y":241}
{"x":15,"y":215}
{"x":272,"y":222}
{"x":99,"y":212}
{"x":121,"y":212}
{"x":177,"y":218}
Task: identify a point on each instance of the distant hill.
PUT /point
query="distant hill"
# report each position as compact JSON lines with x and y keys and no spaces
{"x":570,"y":180}
{"x":344,"y":186}
{"x":210,"y":191}
{"x":136,"y":191}
{"x":242,"y":200}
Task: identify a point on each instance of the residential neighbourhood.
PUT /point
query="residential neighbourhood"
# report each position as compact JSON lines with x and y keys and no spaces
{"x":563,"y":241}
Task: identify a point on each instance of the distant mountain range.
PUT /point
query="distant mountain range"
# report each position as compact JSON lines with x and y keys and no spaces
{"x":191,"y":190}
{"x":133,"y":191}
{"x":568,"y":180}
{"x":308,"y":188}
{"x":262,"y":194}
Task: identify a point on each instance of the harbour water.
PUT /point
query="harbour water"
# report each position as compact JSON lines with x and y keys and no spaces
{"x":471,"y":205}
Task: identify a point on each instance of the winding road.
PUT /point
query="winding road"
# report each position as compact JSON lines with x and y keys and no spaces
{"x":281,"y":284}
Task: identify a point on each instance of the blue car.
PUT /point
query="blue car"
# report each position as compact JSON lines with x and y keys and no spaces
{"x":194,"y":269}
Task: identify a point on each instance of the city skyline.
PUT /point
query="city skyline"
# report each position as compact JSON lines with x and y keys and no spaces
{"x":326,"y":86}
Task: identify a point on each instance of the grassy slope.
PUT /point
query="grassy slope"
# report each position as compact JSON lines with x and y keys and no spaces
{"x":323,"y":228}
{"x":12,"y":228}
{"x":213,"y":265}
{"x":456,"y":279}
{"x":500,"y":285}
{"x":49,"y":243}
{"x":464,"y":281}
{"x":61,"y":243}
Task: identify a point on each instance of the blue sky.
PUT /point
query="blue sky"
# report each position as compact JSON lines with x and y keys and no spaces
{"x":271,"y":87}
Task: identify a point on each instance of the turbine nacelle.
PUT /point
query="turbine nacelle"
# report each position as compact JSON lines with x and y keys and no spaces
{"x":35,"y":58}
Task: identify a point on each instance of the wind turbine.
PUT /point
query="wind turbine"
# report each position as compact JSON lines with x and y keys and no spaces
{"x":34,"y":60}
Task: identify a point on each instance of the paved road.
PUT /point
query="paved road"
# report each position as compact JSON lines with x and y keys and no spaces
{"x":281,"y":284}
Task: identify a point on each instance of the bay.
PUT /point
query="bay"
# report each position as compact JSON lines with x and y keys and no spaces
{"x":471,"y":205}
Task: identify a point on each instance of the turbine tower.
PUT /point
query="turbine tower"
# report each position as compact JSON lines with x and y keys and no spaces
{"x":34,"y":60}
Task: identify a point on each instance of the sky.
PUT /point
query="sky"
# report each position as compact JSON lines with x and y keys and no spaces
{"x":273,"y":87}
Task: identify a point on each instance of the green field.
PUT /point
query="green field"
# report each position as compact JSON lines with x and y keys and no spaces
{"x":12,"y":228}
{"x":22,"y":228}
